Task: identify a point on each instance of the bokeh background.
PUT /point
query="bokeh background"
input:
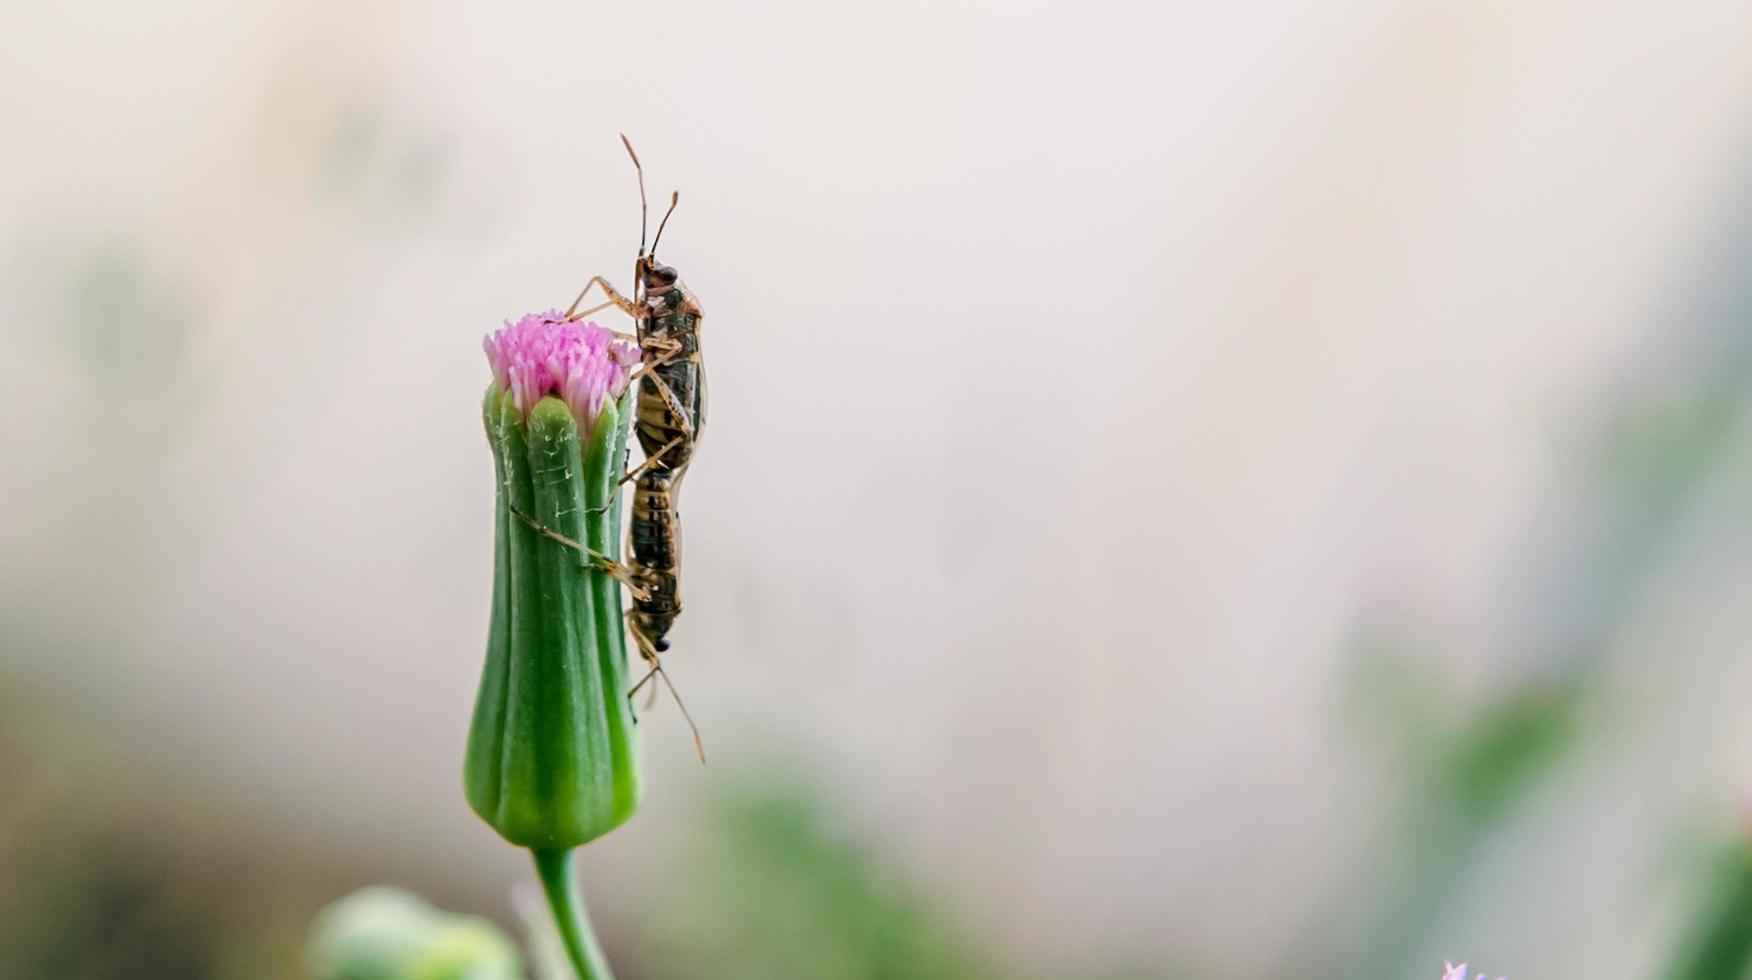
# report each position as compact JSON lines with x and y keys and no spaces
{"x":1193,"y":491}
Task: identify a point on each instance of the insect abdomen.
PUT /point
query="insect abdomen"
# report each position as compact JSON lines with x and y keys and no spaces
{"x":656,"y":534}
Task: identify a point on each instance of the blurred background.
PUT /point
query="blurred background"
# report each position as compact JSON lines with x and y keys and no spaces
{"x":1192,"y":491}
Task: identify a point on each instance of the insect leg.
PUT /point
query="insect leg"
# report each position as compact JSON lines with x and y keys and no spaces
{"x":658,"y":672}
{"x":699,"y":743}
{"x":596,"y":559}
{"x":648,"y":651}
{"x":674,"y":403}
{"x":598,"y":308}
{"x":670,"y":350}
{"x":653,"y":458}
{"x":633,"y":474}
{"x":615,"y":299}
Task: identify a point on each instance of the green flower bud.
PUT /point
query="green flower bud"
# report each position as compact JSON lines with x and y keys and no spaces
{"x":552,"y":753}
{"x":384,"y":933}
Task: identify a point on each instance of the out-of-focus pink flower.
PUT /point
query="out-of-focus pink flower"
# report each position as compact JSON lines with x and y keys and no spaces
{"x":1459,"y":973}
{"x":543,"y":354}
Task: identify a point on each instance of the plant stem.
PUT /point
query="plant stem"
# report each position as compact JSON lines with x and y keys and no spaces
{"x":567,"y":903}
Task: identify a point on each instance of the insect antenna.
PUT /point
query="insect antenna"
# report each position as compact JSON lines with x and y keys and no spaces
{"x":674,"y":199}
{"x":644,"y":220}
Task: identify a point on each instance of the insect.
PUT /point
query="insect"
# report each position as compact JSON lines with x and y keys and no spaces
{"x":669,"y":416}
{"x":671,"y":412}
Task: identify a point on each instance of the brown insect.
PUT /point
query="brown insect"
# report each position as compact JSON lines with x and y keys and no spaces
{"x":669,"y":416}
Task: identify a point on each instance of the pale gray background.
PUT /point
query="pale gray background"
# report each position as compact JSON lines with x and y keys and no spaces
{"x":1084,"y":377}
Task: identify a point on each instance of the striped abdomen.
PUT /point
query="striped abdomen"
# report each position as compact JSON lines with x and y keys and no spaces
{"x":656,"y":534}
{"x":668,"y":425}
{"x":659,"y":425}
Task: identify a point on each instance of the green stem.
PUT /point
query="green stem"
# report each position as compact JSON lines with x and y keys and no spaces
{"x":567,"y":903}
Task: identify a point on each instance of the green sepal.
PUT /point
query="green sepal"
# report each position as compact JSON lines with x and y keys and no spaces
{"x":553,"y":752}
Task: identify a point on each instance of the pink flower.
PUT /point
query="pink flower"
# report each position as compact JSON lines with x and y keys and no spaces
{"x":580,"y":363}
{"x":1459,"y":973}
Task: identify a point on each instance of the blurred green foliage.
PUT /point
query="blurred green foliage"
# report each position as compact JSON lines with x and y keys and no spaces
{"x":1719,"y":944}
{"x":109,"y":300}
{"x":1501,"y":755}
{"x":783,"y":891}
{"x":1459,"y":771}
{"x":780,"y":889}
{"x":384,"y":933}
{"x":94,"y":885}
{"x":1457,"y":782}
{"x":379,"y":168}
{"x":86,"y":915}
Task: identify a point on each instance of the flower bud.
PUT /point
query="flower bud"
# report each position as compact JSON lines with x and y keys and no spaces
{"x":384,"y":933}
{"x":552,"y":754}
